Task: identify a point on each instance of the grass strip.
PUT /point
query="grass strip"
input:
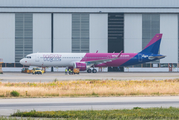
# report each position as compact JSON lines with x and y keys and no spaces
{"x":135,"y":113}
{"x":87,"y":88}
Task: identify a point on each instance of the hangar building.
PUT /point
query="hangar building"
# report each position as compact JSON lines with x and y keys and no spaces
{"x":29,"y":26}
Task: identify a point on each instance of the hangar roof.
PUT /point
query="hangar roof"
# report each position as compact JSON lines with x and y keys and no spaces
{"x":126,"y":6}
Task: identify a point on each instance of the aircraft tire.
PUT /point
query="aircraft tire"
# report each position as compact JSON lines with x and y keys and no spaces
{"x":89,"y":70}
{"x":94,"y":71}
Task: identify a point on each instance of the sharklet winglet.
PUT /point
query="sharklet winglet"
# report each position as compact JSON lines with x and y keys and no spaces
{"x":119,"y":54}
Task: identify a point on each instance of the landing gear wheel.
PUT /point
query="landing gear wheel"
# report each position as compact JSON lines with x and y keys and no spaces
{"x":89,"y":70}
{"x":94,"y":71}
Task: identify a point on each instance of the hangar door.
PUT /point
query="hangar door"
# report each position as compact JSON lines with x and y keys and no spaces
{"x":115,"y":36}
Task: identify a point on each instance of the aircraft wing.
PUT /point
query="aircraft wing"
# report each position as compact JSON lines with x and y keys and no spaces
{"x":95,"y":62}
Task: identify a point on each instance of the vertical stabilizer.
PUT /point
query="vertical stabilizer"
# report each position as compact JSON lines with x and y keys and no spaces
{"x":154,"y":45}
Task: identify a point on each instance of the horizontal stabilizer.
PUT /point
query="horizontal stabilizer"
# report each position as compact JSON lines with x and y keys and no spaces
{"x":156,"y":57}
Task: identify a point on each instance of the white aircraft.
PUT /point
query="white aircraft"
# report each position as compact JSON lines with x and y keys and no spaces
{"x":84,"y":61}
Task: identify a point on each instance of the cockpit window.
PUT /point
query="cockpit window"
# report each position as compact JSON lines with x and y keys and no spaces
{"x":28,"y":57}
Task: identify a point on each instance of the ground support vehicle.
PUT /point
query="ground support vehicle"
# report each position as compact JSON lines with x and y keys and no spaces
{"x":26,"y":70}
{"x":76,"y":71}
{"x":37,"y":71}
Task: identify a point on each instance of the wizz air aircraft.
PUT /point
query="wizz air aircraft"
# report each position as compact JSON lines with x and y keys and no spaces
{"x":85,"y":61}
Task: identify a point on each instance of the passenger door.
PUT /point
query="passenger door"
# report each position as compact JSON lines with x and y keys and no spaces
{"x":37,"y":58}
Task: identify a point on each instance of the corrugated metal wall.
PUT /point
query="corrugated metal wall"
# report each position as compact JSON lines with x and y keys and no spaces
{"x":23,"y":35}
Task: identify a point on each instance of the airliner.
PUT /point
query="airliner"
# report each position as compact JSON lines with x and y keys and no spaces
{"x":85,"y":61}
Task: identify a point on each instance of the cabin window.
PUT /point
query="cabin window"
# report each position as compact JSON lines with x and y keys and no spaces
{"x":29,"y":57}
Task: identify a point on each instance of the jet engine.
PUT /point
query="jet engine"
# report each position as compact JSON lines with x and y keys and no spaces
{"x":81,"y":66}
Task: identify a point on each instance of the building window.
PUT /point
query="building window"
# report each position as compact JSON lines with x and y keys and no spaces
{"x":23,"y":35}
{"x":80,"y":33}
{"x":150,"y":27}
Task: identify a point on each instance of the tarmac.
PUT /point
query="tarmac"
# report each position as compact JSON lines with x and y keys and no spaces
{"x":9,"y":106}
{"x":50,"y":77}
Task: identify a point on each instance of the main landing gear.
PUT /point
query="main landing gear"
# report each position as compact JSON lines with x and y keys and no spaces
{"x":93,"y":71}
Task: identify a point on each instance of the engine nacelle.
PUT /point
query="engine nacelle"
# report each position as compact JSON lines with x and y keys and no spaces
{"x":81,"y":66}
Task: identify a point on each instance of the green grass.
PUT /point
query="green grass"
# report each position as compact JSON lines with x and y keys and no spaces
{"x":14,"y":93}
{"x":125,"y":114}
{"x":14,"y":118}
{"x":1,"y":118}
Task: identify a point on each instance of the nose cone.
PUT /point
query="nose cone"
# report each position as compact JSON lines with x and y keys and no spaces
{"x":22,"y":61}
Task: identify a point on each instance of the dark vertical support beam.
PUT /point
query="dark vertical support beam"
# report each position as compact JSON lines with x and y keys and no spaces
{"x":51,"y":37}
{"x":115,"y":36}
{"x":115,"y":32}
